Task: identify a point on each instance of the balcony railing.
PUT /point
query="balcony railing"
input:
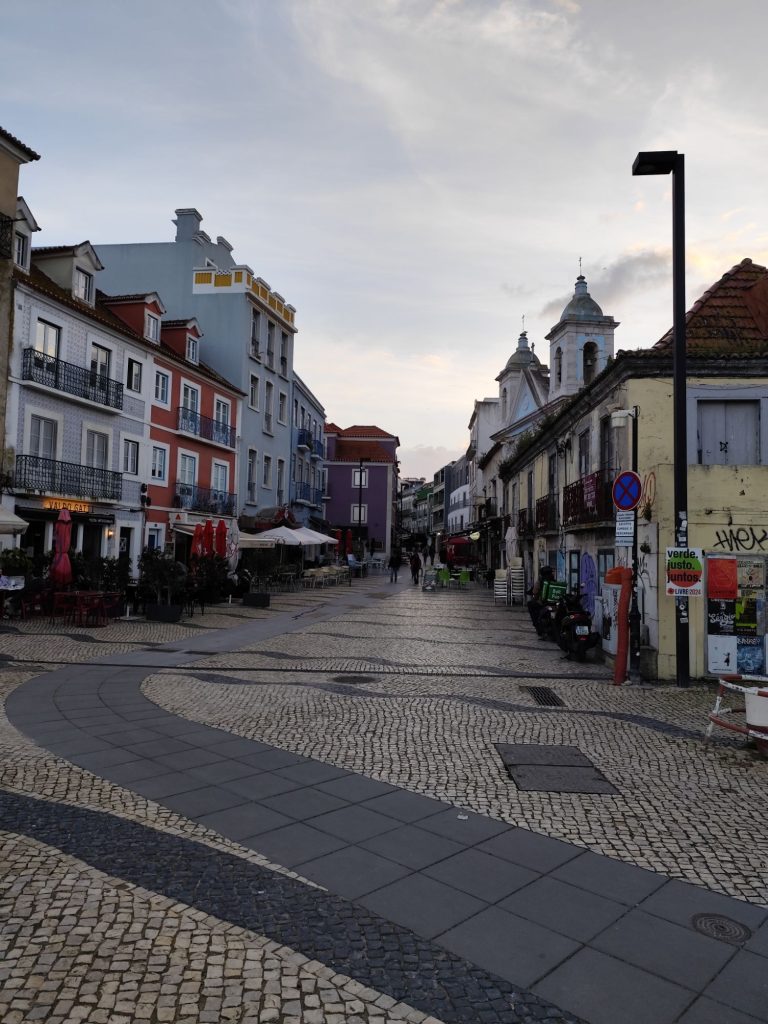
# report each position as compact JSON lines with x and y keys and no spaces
{"x":49,"y":476}
{"x":486,"y":508}
{"x":304,"y":439}
{"x":73,"y":380}
{"x":588,"y":500}
{"x":546,"y":513}
{"x":192,"y":422}
{"x":317,"y":449}
{"x":525,"y":522}
{"x":205,"y":499}
{"x":317,"y":495}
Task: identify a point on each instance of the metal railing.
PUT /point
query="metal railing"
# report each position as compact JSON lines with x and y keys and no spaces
{"x":525,"y":522}
{"x":192,"y":422}
{"x":317,"y":495}
{"x":71,"y":379}
{"x":546,"y":513}
{"x":317,"y":449}
{"x":588,"y":500}
{"x":303,"y":438}
{"x":302,"y":491}
{"x":205,"y":499}
{"x":48,"y":476}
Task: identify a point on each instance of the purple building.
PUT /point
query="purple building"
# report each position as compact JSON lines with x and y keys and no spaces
{"x":361,"y":463}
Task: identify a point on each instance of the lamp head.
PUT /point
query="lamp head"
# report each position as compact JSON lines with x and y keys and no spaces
{"x":657,"y":162}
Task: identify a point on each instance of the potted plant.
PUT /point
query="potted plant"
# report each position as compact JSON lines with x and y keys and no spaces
{"x":254,"y":567}
{"x":162,"y":581}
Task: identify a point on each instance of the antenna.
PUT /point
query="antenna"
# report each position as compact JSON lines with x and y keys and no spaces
{"x":579,"y":266}
{"x":523,"y":323}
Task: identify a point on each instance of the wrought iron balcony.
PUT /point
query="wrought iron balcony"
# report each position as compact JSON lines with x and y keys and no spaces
{"x":317,"y":449}
{"x":486,"y":508}
{"x":546,"y":513}
{"x":205,"y":499}
{"x":588,"y":500}
{"x":192,"y":422}
{"x":48,"y":476}
{"x":72,"y":380}
{"x":304,"y":439}
{"x":317,"y":495}
{"x":525,"y":522}
{"x":302,"y":491}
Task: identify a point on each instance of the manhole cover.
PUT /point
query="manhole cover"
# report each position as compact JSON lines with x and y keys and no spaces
{"x":716,"y":926}
{"x":544,"y":696}
{"x":356,"y":680}
{"x":544,"y":768}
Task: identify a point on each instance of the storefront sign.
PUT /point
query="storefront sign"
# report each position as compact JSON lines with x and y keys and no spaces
{"x":625,"y":529}
{"x":684,"y":572}
{"x":70,"y":506}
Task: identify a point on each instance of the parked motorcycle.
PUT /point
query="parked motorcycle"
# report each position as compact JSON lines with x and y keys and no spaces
{"x":575,"y":634}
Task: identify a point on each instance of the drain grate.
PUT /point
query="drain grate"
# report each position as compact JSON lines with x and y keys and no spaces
{"x":717,"y":926}
{"x":355,"y":680}
{"x":544,"y":696}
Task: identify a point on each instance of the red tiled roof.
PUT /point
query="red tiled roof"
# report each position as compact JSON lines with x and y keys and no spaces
{"x":364,"y":431}
{"x":30,"y":153}
{"x":731,"y":317}
{"x":331,"y":428}
{"x":353,"y":451}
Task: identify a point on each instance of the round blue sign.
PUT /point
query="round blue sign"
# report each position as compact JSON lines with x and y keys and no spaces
{"x":627,"y":489}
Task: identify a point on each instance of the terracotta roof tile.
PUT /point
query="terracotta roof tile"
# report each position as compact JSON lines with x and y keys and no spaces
{"x":353,"y":451}
{"x":331,"y":428}
{"x":731,"y":317}
{"x":30,"y":153}
{"x":364,"y":431}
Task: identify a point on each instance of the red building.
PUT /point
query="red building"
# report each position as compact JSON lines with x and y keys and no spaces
{"x":194,"y":416}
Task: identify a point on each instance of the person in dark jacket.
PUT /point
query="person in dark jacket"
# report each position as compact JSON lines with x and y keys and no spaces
{"x":394,"y":563}
{"x":535,"y":605}
{"x":415,"y":566}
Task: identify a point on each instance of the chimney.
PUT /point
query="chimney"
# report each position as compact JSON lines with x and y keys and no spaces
{"x":187,"y":224}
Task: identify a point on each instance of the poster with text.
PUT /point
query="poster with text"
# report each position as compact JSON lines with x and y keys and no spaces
{"x":750,"y":655}
{"x":721,"y":618}
{"x":721,"y":655}
{"x":746,"y":616}
{"x":722,"y":579}
{"x":751,"y":574}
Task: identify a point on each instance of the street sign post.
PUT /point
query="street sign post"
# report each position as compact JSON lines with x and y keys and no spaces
{"x":626,"y":492}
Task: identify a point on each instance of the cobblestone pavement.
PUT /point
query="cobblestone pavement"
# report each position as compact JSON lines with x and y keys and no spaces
{"x":413,"y":691}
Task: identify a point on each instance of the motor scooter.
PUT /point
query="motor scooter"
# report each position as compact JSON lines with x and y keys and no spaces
{"x":575,"y":633}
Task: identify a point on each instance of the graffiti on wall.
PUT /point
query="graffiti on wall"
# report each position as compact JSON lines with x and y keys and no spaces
{"x":741,"y":538}
{"x":588,"y":578}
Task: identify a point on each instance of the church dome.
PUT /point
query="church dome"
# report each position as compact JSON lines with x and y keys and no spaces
{"x":522,"y":356}
{"x":582,"y":306}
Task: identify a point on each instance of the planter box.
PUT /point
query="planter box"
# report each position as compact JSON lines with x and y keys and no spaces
{"x":256,"y":600}
{"x":163,"y":612}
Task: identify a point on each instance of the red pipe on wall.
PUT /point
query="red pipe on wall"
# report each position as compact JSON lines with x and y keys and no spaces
{"x":624,"y":577}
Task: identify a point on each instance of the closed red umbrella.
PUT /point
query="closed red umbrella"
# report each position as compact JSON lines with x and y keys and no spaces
{"x":208,"y":537}
{"x":61,"y":568}
{"x":197,"y":541}
{"x":350,"y":543}
{"x":221,"y":539}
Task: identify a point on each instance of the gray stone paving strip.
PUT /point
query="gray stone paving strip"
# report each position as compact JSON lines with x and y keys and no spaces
{"x":484,"y":890}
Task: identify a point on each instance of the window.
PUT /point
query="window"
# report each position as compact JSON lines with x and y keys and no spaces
{"x":190,"y":397}
{"x":100,"y":361}
{"x":280,"y":481}
{"x":253,"y":473}
{"x":266,"y":478}
{"x":589,"y":356}
{"x":220,"y":477}
{"x":295,"y":412}
{"x":83,"y":285}
{"x":96,"y":449}
{"x":221,"y":411}
{"x":47,"y":338}
{"x":606,"y":446}
{"x":573,"y":572}
{"x":284,"y":354}
{"x":729,"y":433}
{"x":192,"y":350}
{"x":20,"y":249}
{"x":359,"y":477}
{"x":152,"y":327}
{"x":154,"y":538}
{"x":606,"y":559}
{"x":253,"y":393}
{"x":282,"y":407}
{"x":359,"y":514}
{"x":584,"y":453}
{"x":161,"y":387}
{"x":42,"y":439}
{"x":559,"y":366}
{"x":269,"y":392}
{"x":131,"y":457}
{"x":504,"y":405}
{"x":159,"y":459}
{"x":187,"y":469}
{"x":270,"y":345}
{"x":133,"y":382}
{"x":255,"y":333}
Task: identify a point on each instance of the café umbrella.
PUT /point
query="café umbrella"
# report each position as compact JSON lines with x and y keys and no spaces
{"x":220,"y":540}
{"x":197,"y":541}
{"x":208,"y":537}
{"x":233,"y":547}
{"x":61,"y":568}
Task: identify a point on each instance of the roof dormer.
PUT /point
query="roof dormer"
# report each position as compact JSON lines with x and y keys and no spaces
{"x":141,"y":312}
{"x":72,"y":267}
{"x":23,"y":226}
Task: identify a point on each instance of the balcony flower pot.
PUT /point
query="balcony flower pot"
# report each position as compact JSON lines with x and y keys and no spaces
{"x":256,"y":600}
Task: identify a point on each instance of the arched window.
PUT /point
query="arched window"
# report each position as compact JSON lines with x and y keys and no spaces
{"x":504,"y":405}
{"x":589,"y":362}
{"x":559,"y":366}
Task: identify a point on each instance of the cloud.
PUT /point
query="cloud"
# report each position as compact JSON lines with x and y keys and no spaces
{"x":424,"y":460}
{"x":628,"y":276}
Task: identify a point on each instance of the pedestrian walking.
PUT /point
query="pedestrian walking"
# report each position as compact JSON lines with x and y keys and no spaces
{"x":415,"y":567}
{"x":395,"y":561}
{"x":432,"y":553}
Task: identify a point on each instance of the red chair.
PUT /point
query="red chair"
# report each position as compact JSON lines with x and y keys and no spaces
{"x":63,"y":607}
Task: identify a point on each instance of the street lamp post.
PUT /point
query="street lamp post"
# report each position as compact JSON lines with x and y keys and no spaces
{"x":360,"y":463}
{"x":672,"y":162}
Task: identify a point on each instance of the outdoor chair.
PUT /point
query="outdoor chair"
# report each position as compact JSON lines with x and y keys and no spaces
{"x":464,"y":579}
{"x":63,"y":607}
{"x":443,"y":577}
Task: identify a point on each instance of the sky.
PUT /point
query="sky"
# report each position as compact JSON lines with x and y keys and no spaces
{"x":414,"y":176}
